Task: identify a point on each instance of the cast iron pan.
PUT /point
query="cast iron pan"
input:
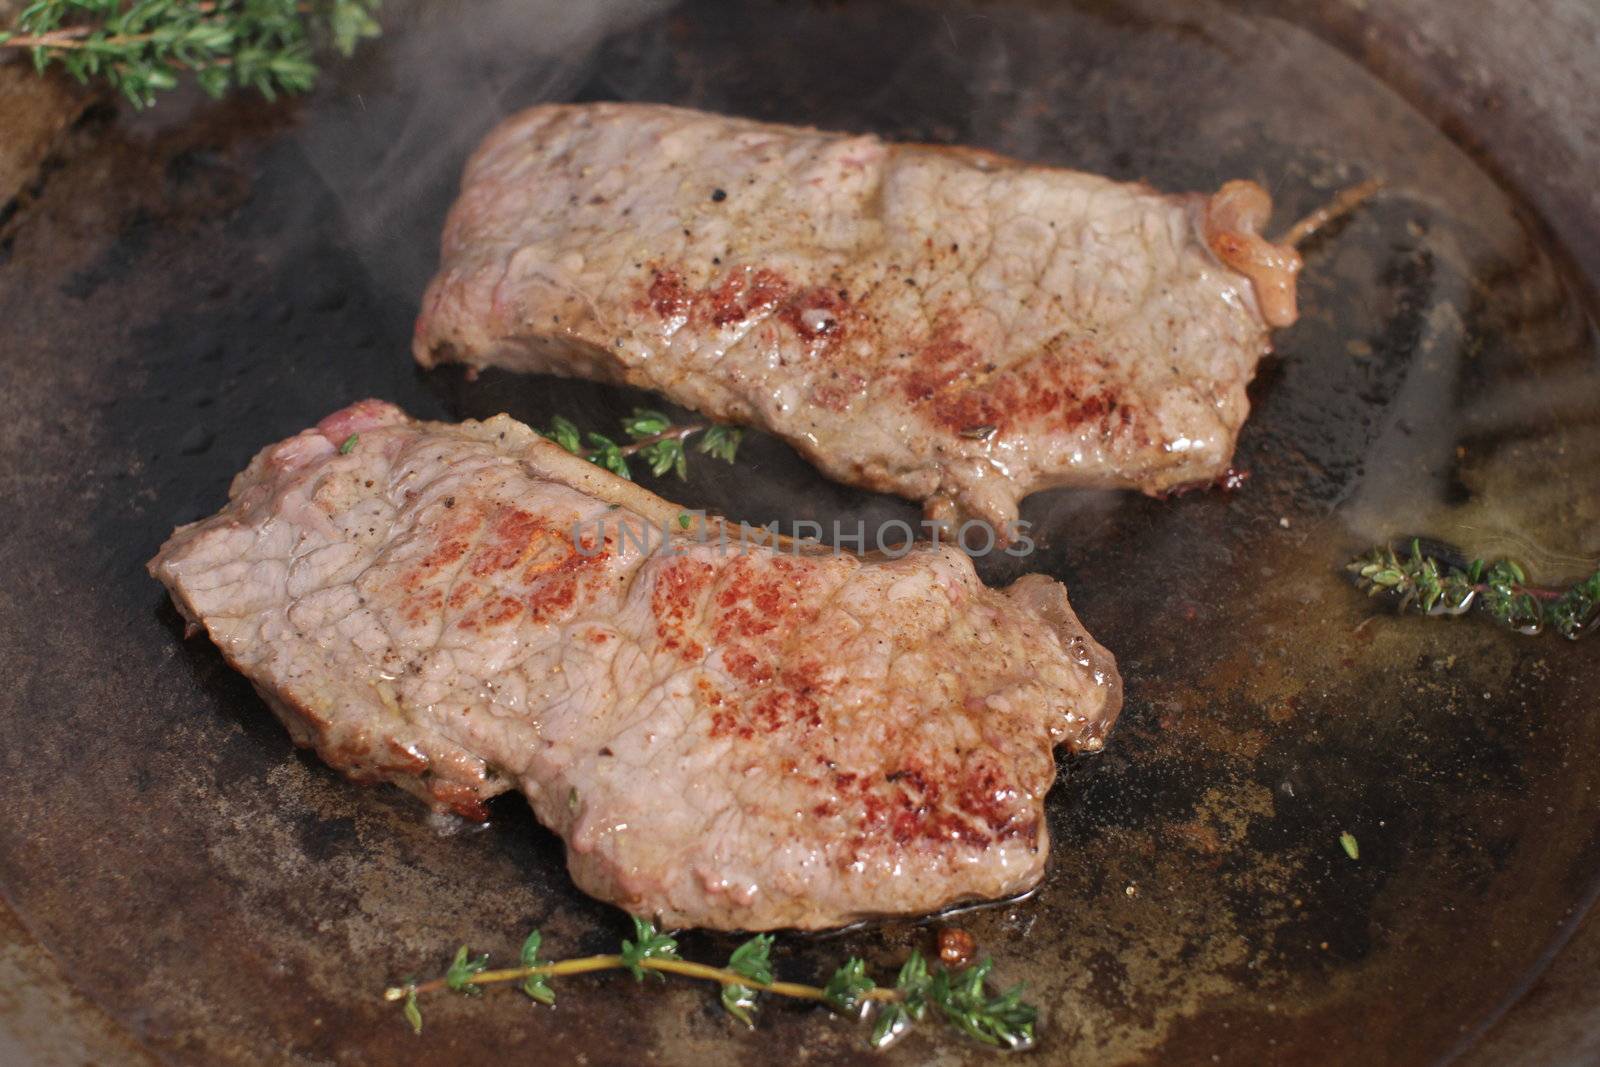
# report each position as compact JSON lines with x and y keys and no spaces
{"x":186,"y":286}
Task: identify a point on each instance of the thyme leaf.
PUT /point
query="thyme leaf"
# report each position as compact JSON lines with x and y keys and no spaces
{"x":912,"y":982}
{"x":645,"y":423}
{"x":413,"y":1013}
{"x":721,"y":442}
{"x":896,"y":1016}
{"x":892,"y":1021}
{"x":1578,"y":609}
{"x":845,"y":989}
{"x":605,"y":452}
{"x":537,"y":986}
{"x":750,"y":960}
{"x":459,"y":977}
{"x":649,"y":944}
{"x":565,"y":434}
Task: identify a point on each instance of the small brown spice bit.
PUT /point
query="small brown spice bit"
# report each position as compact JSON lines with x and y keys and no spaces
{"x":956,"y":947}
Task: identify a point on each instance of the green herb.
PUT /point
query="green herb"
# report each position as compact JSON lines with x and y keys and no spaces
{"x":654,"y":438}
{"x":142,"y":47}
{"x":1004,"y":1020}
{"x":412,"y":1013}
{"x":658,"y":446}
{"x":1576,"y":610}
{"x":349,"y":444}
{"x":750,"y":960}
{"x":844,"y":990}
{"x":721,"y":442}
{"x":565,"y":434}
{"x":896,"y":1016}
{"x":1426,"y":583}
{"x":1351,"y":846}
{"x":650,"y":945}
{"x":462,"y":968}
{"x":605,"y":452}
{"x":893,"y":1020}
{"x":537,"y":986}
{"x":912,"y":981}
{"x":684,"y":520}
{"x":960,"y":997}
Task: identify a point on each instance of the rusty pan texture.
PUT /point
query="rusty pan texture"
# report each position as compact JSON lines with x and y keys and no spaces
{"x":180,"y":287}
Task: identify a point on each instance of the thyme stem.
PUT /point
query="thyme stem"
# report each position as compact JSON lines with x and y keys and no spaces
{"x":69,"y":39}
{"x":614,"y":962}
{"x":1342,"y":204}
{"x":671,"y":433}
{"x":960,"y":998}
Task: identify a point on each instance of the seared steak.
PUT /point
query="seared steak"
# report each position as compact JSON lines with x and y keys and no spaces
{"x":942,"y":323}
{"x":768,"y":737}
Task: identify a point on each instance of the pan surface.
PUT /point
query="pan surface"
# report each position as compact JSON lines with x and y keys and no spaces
{"x":181,"y":287}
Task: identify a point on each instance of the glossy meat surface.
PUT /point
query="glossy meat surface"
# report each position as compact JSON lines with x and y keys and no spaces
{"x":730,"y":737}
{"x":945,"y":324}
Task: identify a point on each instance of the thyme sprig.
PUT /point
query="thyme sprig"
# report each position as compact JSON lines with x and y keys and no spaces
{"x":142,"y":47}
{"x":655,"y":439}
{"x":1431,"y":584}
{"x":960,"y":997}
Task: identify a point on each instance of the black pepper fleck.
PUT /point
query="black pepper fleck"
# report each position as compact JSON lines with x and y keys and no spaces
{"x":718,"y":195}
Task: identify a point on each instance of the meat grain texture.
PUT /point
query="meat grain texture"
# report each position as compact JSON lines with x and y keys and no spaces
{"x":734,"y":738}
{"x":942,"y":323}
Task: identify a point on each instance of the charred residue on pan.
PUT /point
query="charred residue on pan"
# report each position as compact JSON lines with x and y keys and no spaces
{"x":179,"y":294}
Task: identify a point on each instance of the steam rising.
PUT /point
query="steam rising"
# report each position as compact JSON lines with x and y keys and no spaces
{"x":396,"y":126}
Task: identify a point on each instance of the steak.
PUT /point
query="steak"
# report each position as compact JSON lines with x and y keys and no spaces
{"x":726,"y":733}
{"x":942,"y":323}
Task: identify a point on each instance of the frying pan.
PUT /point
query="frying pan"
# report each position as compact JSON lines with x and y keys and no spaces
{"x":180,"y":287}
